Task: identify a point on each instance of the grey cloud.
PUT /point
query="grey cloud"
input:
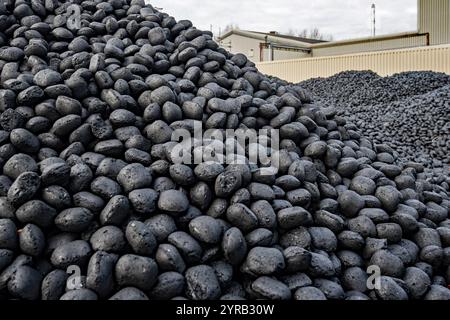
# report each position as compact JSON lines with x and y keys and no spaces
{"x":343,"y":19}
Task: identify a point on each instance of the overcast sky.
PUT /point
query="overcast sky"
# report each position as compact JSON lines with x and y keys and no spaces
{"x":342,"y":18}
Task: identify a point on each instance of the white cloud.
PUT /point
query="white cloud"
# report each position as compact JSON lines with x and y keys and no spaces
{"x":343,"y":19}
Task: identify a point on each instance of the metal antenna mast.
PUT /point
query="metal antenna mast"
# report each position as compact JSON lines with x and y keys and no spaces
{"x":374,"y":28}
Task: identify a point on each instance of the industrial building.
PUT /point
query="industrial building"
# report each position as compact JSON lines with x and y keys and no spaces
{"x":433,"y":29}
{"x":272,"y":46}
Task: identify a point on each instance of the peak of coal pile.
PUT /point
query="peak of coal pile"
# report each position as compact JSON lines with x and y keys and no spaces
{"x":88,"y":186}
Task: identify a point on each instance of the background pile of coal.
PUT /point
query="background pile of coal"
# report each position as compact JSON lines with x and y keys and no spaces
{"x":88,"y":184}
{"x":359,"y":88}
{"x":409,"y":111}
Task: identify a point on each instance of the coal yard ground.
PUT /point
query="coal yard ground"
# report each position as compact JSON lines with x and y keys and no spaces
{"x":94,"y":207}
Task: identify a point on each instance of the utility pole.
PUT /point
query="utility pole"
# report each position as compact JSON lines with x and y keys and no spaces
{"x":374,"y":16}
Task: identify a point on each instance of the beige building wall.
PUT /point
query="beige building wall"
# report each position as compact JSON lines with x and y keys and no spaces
{"x":338,"y":48}
{"x":434,"y":18}
{"x":432,"y":58}
{"x":239,"y":44}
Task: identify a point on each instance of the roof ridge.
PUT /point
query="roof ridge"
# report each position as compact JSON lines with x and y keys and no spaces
{"x":279,"y":35}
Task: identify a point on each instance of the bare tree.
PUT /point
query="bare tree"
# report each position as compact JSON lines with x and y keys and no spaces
{"x":291,"y":32}
{"x":229,"y":27}
{"x":314,"y":33}
{"x":303,"y":33}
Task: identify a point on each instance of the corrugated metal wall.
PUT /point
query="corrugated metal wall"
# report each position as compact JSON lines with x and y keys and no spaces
{"x":434,"y":18}
{"x":434,"y":58}
{"x":383,"y":44}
